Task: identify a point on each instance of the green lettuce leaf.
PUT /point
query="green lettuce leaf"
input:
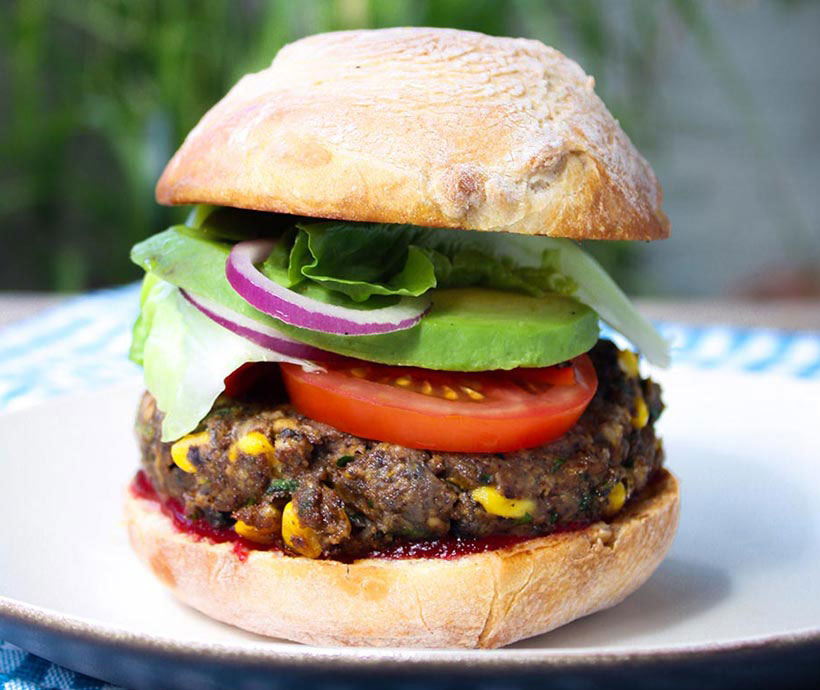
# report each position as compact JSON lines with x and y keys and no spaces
{"x":361,"y":260}
{"x":592,"y":286}
{"x":186,"y":356}
{"x":343,"y":258}
{"x":597,"y":290}
{"x":362,"y":265}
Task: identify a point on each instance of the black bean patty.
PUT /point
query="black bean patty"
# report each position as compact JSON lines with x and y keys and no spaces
{"x":350,"y":495}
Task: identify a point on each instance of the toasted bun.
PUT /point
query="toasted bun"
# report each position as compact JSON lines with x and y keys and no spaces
{"x":432,"y":127}
{"x":484,"y":600}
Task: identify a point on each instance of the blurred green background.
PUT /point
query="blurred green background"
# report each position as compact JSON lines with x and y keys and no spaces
{"x":95,"y":97}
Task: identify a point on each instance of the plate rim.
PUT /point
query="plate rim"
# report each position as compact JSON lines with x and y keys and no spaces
{"x":308,"y":657}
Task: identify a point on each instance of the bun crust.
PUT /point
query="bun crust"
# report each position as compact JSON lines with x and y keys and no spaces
{"x":434,"y":127}
{"x":484,"y":600}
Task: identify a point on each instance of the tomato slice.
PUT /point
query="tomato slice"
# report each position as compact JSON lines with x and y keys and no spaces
{"x":241,"y":379}
{"x":490,"y":412}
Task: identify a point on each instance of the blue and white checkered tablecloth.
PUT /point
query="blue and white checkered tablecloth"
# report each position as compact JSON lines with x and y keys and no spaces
{"x":82,"y":344}
{"x":20,"y":670}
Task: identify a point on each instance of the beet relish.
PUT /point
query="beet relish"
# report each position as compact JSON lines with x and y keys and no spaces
{"x":448,"y":548}
{"x":141,"y":487}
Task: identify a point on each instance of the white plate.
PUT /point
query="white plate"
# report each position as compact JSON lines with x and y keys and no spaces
{"x":743,"y":571}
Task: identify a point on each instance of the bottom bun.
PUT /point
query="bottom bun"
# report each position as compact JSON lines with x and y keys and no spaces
{"x":483,"y":600}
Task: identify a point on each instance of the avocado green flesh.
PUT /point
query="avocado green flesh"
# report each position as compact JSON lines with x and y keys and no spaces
{"x":467,"y":329}
{"x":475,"y":329}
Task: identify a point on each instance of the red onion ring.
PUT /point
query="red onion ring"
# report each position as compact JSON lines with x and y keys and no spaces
{"x":298,"y":310}
{"x":264,"y":336}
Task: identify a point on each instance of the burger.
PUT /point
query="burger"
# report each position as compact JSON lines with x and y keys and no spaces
{"x":378,"y":409}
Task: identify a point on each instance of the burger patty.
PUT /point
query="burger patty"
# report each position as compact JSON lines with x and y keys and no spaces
{"x":345,"y":496}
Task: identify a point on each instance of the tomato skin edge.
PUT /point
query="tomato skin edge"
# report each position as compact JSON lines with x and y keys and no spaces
{"x":502,"y":430}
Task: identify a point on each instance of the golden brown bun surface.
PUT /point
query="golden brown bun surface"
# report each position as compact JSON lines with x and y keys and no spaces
{"x":433,"y":127}
{"x":484,"y":600}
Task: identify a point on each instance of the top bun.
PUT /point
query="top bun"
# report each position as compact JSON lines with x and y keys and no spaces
{"x":432,"y":127}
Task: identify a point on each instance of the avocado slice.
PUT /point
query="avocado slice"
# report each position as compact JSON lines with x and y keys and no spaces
{"x":476,"y":329}
{"x":466,"y":329}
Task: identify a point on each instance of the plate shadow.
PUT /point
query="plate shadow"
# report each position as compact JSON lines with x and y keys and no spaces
{"x":679,"y":589}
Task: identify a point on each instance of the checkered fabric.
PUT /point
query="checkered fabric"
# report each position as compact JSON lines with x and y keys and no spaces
{"x":20,"y":670}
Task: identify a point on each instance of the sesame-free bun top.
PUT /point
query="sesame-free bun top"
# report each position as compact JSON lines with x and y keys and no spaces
{"x":433,"y":127}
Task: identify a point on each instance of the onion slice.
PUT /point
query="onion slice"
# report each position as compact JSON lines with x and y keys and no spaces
{"x":298,"y":310}
{"x":264,"y":336}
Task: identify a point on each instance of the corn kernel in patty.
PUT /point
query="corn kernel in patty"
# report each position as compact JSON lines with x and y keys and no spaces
{"x":495,"y":503}
{"x":616,"y":500}
{"x":254,"y":443}
{"x":641,"y":415}
{"x":251,"y":533}
{"x":301,"y":538}
{"x":628,"y":362}
{"x":179,"y":451}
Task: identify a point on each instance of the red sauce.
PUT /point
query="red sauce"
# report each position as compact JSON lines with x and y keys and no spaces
{"x":447,"y":548}
{"x":141,"y":487}
{"x":450,"y":547}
